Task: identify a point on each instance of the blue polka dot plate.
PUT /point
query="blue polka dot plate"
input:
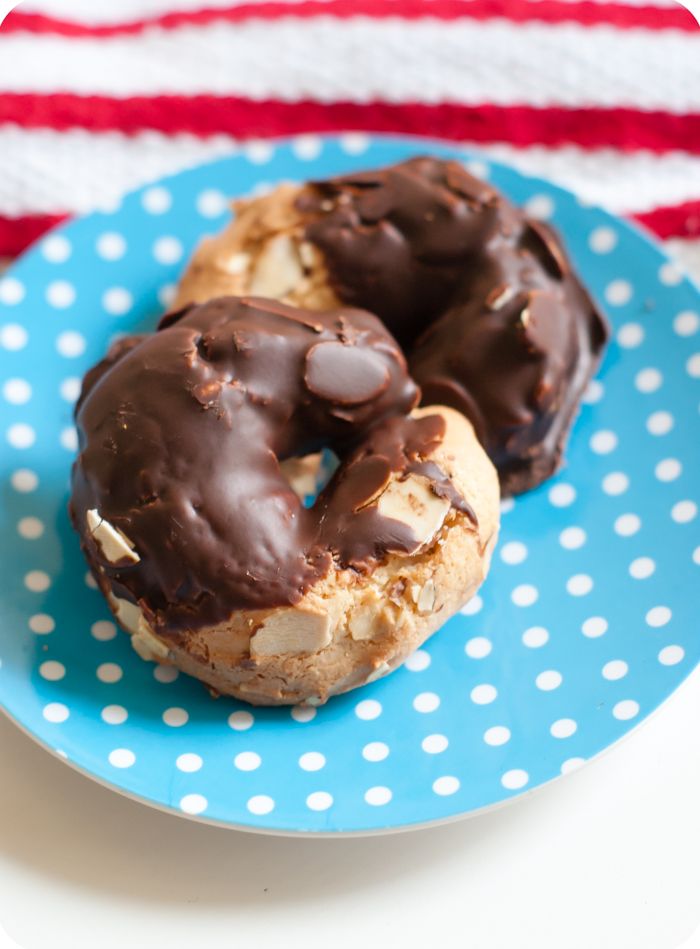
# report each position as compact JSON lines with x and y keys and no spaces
{"x":586,"y":624}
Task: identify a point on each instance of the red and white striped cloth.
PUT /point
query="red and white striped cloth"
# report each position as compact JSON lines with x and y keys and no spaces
{"x":602,"y":96}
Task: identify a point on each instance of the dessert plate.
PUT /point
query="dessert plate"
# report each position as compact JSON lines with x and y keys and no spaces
{"x":586,"y":624}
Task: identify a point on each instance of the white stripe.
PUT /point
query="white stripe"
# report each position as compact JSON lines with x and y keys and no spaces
{"x":38,"y":169}
{"x":429,"y":61}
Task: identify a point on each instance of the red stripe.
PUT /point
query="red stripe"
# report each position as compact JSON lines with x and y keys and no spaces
{"x":585,"y":12}
{"x":17,"y":233}
{"x":623,"y":129}
{"x":681,"y":220}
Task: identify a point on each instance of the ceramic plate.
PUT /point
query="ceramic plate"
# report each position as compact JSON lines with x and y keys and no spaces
{"x":587,"y":622}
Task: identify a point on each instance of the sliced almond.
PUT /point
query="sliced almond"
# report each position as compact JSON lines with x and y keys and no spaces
{"x":115,"y":545}
{"x":379,"y":671}
{"x":302,"y":474}
{"x":277,"y":269}
{"x":236,"y":264}
{"x":147,"y":644}
{"x":128,"y":614}
{"x":361,"y":624}
{"x":290,"y":632}
{"x":426,"y":598}
{"x":413,"y":503}
{"x":308,"y":255}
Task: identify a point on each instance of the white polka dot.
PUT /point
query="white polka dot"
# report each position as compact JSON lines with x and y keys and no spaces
{"x":31,"y":528}
{"x":212,"y":203}
{"x":11,"y":292}
{"x":670,"y":274}
{"x":114,"y":714}
{"x":514,"y":552}
{"x":642,"y":568}
{"x":478,"y":648}
{"x":515,"y":779}
{"x":109,"y":672}
{"x":658,"y":616}
{"x":312,"y":761}
{"x":594,"y":627}
{"x":55,"y":712}
{"x":117,"y":301}
{"x":507,"y":505}
{"x":42,"y":624}
{"x":307,"y":147}
{"x":240,"y":721}
{"x":594,"y":392}
{"x":20,"y":435}
{"x":696,"y":556}
{"x":524,"y":595}
{"x":259,"y":152}
{"x":571,"y":538}
{"x":535,"y":637}
{"x":69,"y":438}
{"x":13,"y":336}
{"x":472,"y":607}
{"x":165,"y":674}
{"x":90,"y":581}
{"x":684,"y":511}
{"x":247,"y":761}
{"x":627,"y":524}
{"x":377,"y":796}
{"x":446,"y":785}
{"x":103,"y":630}
{"x":303,"y":713}
{"x":630,"y":335}
{"x":111,"y":246}
{"x":615,"y":669}
{"x":478,"y":168}
{"x":603,"y":442}
{"x":188,"y":762}
{"x":70,"y":389}
{"x":193,"y":804}
{"x":52,"y":671}
{"x":37,"y":581}
{"x":693,"y":366}
{"x":122,"y":758}
{"x":602,"y":240}
{"x":572,"y":764}
{"x":563,"y":728}
{"x":434,"y":744}
{"x":626,"y":709}
{"x":426,"y":702}
{"x":60,"y":294}
{"x":56,"y":248}
{"x":261,"y":189}
{"x":562,"y":495}
{"x":156,"y":200}
{"x":70,"y":344}
{"x":668,"y":470}
{"x":354,"y":143}
{"x":24,"y":480}
{"x":418,"y":661}
{"x":166,"y":294}
{"x":319,"y":801}
{"x":540,"y":207}
{"x":671,"y":655}
{"x":368,"y":709}
{"x":579,"y":585}
{"x":497,"y":735}
{"x":549,"y":680}
{"x":17,"y":391}
{"x":686,"y":323}
{"x":648,"y":380}
{"x":175,"y":717}
{"x":618,"y":292}
{"x":484,"y":694}
{"x":375,"y":751}
{"x":167,"y":250}
{"x":260,"y":804}
{"x":660,"y":423}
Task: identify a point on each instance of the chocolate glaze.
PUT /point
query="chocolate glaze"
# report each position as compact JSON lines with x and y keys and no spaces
{"x":484,"y":301}
{"x":181,"y":433}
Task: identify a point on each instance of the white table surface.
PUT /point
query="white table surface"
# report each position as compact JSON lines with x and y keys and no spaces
{"x":606,"y":858}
